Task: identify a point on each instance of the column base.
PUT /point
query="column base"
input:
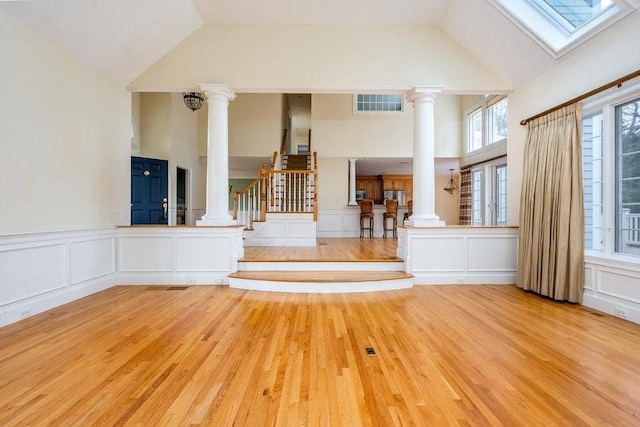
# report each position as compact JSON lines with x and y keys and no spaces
{"x":425,"y":221}
{"x":352,"y":204}
{"x":216,"y":222}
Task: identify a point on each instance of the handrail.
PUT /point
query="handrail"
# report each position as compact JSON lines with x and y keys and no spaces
{"x":284,"y":191}
{"x":283,"y":144}
{"x":273,"y":160}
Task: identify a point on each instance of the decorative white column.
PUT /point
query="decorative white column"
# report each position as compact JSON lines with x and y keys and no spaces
{"x":424,"y":215}
{"x":218,"y":97}
{"x":352,"y":182}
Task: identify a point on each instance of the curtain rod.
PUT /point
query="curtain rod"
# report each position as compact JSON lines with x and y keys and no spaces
{"x":609,"y":85}
{"x":470,"y":165}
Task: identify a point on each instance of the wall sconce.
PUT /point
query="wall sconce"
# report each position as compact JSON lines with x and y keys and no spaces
{"x":230,"y":189}
{"x":451,"y":186}
{"x":193,"y":100}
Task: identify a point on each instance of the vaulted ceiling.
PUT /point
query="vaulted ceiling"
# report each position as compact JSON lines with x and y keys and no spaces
{"x":123,"y":38}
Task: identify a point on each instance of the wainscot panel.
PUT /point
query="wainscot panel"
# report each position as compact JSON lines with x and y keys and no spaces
{"x":459,"y":255}
{"x":346,"y":222}
{"x":40,"y":271}
{"x":90,"y":259}
{"x":612,"y":285}
{"x":178,"y":255}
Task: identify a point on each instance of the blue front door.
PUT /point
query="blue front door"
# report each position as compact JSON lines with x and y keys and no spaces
{"x":149,"y":191}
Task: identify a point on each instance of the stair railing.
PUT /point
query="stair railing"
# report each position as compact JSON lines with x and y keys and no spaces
{"x":284,"y":191}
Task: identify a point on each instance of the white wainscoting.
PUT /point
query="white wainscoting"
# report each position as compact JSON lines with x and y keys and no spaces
{"x":459,"y":255}
{"x":41,"y":271}
{"x":613,"y":286}
{"x":178,"y":255}
{"x":346,"y":222}
{"x":283,"y":229}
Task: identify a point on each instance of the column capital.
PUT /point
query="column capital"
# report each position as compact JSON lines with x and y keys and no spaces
{"x":222,"y":92}
{"x":423,"y":93}
{"x":352,"y":160}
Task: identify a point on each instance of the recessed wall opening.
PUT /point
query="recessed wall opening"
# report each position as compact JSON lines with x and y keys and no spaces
{"x":181,"y":196}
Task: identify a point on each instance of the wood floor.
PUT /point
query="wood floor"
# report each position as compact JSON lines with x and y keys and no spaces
{"x":330,"y":250}
{"x":210,"y":355}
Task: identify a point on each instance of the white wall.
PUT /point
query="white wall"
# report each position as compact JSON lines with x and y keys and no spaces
{"x":155,"y":125}
{"x":449,"y":125}
{"x":333,"y":182}
{"x":255,"y":124}
{"x":314,"y":58}
{"x":135,"y":123}
{"x":339,"y":132}
{"x":65,"y":132}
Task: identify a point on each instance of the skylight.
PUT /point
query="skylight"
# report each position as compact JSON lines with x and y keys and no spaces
{"x":574,"y":12}
{"x":561,"y":25}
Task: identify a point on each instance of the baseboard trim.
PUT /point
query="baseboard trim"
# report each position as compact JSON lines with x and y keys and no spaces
{"x":31,"y":306}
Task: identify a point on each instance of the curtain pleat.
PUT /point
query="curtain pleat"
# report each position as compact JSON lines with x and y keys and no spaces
{"x":551,"y":245}
{"x":464,"y":213}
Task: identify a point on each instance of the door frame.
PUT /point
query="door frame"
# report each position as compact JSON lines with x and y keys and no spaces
{"x":188,"y":193}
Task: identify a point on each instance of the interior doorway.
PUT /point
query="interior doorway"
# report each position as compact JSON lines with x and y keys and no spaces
{"x":182,"y":196}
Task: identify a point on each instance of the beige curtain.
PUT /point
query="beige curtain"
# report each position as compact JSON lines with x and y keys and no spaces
{"x":551,"y":248}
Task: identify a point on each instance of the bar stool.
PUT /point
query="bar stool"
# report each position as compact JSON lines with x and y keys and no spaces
{"x":366,"y":212}
{"x":392,"y":214}
{"x":409,"y":211}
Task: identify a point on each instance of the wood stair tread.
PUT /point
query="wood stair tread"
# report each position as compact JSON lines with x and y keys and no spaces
{"x":321,"y":276}
{"x":314,"y":260}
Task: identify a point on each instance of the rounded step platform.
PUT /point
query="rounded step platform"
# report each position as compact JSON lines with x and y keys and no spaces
{"x":321,"y":281}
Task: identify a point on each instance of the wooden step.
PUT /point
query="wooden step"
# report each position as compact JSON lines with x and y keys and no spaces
{"x":310,"y":265}
{"x":321,"y":281}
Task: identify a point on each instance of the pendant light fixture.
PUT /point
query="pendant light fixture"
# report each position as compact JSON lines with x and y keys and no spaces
{"x":451,"y":186}
{"x":193,"y":100}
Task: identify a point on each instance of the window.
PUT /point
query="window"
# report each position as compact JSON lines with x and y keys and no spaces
{"x":475,"y":130}
{"x":487,"y":123}
{"x":489,"y":193}
{"x":592,"y":178}
{"x":560,"y":25}
{"x":477,"y":197}
{"x":628,"y":177}
{"x":499,"y":211}
{"x":573,"y":14}
{"x":392,"y":103}
{"x":611,"y":172}
{"x":497,"y":121}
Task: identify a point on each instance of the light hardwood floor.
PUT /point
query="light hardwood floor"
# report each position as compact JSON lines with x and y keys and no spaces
{"x":330,"y":250}
{"x":210,"y":355}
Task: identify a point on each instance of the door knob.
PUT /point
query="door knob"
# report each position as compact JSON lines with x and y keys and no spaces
{"x":165,"y":207}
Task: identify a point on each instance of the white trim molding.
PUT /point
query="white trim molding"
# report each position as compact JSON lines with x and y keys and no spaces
{"x":459,"y":255}
{"x":612,"y":286}
{"x":41,"y":271}
{"x":178,"y":255}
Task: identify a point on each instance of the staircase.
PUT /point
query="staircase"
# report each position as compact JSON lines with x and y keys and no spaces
{"x":296,"y":162}
{"x":280,"y":207}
